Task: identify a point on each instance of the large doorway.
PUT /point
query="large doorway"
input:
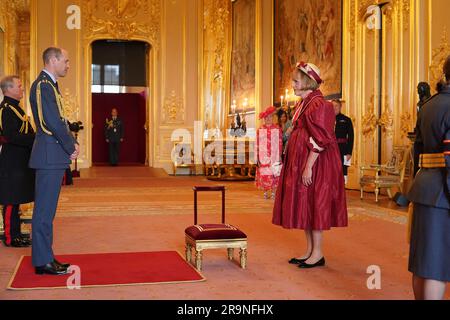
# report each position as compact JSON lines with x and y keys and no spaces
{"x":119,"y":80}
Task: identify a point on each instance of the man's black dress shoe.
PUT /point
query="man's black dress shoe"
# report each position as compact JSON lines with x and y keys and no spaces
{"x":64,"y":265}
{"x":18,"y":243}
{"x":51,"y":268}
{"x":25,"y":241}
{"x":297,"y":261}
{"x":319,"y":263}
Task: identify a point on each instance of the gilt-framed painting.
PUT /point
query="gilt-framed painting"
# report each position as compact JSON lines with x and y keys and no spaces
{"x":309,"y":31}
{"x":243,"y":55}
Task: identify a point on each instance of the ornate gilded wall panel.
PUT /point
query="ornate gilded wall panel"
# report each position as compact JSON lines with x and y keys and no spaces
{"x":400,"y":41}
{"x":15,"y":26}
{"x":216,"y":48}
{"x":440,"y":53}
{"x":173,"y":111}
{"x":122,"y":19}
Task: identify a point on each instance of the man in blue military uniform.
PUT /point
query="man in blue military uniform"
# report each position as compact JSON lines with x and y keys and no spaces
{"x":344,"y":135}
{"x":53,"y":150}
{"x":429,"y":258}
{"x":114,"y":136}
{"x":16,"y":178}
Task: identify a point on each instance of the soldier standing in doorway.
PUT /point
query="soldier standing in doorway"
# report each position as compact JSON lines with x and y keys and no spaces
{"x":114,"y":136}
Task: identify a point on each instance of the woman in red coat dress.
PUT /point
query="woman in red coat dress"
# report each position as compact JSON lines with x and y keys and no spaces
{"x":311,"y":192}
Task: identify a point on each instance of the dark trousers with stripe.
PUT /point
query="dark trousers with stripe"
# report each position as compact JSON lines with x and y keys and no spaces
{"x":11,"y":222}
{"x":114,"y":151}
{"x":342,"y":147}
{"x":48,"y":187}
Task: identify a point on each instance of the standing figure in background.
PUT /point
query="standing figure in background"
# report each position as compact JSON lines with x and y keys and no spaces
{"x":423,"y":90}
{"x":345,"y":137}
{"x":285,"y":125}
{"x":429,"y":258}
{"x":269,"y":147}
{"x":16,"y":178}
{"x":114,"y":136}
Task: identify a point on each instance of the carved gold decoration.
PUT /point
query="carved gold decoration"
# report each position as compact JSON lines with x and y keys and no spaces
{"x":405,"y":120}
{"x":406,"y":10}
{"x":70,"y":106}
{"x":386,"y":122}
{"x":216,"y":62}
{"x":388,"y":10}
{"x":14,"y":22}
{"x":119,"y":19}
{"x":352,"y":23}
{"x":369,"y":124}
{"x":439,"y":55}
{"x":364,"y":4}
{"x":173,"y":109}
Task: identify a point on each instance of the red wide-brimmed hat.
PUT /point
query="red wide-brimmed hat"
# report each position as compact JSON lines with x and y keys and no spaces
{"x":311,"y":70}
{"x":270,"y":110}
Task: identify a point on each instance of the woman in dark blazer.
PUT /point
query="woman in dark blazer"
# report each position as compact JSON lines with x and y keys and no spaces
{"x":429,"y":258}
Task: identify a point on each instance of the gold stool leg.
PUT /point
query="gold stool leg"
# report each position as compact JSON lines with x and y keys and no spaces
{"x":230,"y":253}
{"x":188,"y":252}
{"x":243,"y":254}
{"x":198,"y":260}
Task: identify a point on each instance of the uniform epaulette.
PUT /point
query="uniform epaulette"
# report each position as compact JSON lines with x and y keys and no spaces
{"x":59,"y":102}
{"x":24,"y":118}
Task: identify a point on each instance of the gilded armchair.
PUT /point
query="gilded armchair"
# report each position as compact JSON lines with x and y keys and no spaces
{"x":183,"y":157}
{"x":386,"y":176}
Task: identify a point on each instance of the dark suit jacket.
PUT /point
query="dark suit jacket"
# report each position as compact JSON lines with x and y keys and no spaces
{"x":50,"y":151}
{"x":16,"y":178}
{"x":344,"y":130}
{"x":117,"y":134}
{"x":430,"y":186}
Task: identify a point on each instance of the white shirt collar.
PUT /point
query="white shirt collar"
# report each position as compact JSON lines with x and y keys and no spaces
{"x":50,"y":75}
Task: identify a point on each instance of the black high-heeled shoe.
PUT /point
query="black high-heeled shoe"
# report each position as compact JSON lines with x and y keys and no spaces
{"x":297,"y":261}
{"x":319,"y":263}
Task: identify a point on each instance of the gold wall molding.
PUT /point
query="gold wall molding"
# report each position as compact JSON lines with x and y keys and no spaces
{"x":122,"y":19}
{"x":70,"y":105}
{"x":386,"y":122}
{"x":173,"y":111}
{"x":405,"y":123}
{"x":369,"y":124}
{"x":400,"y":8}
{"x":352,"y":23}
{"x":440,"y":53}
{"x":8,"y":22}
{"x":15,"y":23}
{"x":216,"y":52}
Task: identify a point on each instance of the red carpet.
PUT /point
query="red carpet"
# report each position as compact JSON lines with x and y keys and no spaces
{"x":110,"y":269}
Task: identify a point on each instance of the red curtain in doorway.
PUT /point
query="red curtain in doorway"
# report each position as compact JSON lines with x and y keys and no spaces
{"x":132,"y":111}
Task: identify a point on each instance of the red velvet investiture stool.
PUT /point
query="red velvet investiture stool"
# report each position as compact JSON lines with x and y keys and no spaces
{"x":214,"y":236}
